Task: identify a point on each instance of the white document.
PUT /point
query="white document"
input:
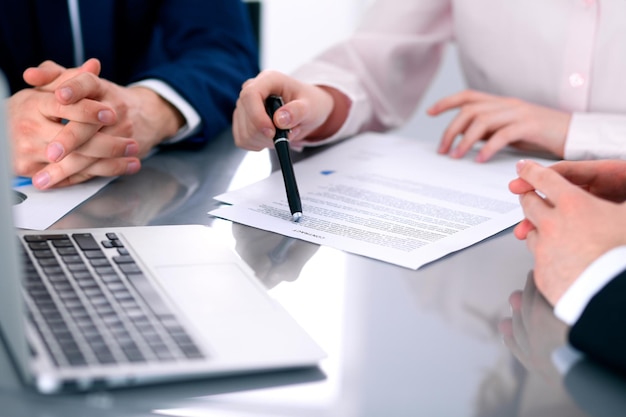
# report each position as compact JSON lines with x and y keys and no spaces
{"x":38,"y":209}
{"x":386,"y":197}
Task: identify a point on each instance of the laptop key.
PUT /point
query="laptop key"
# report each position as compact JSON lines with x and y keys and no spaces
{"x":86,"y":241}
{"x":62,"y":243}
{"x":43,"y":238}
{"x":103,"y":324}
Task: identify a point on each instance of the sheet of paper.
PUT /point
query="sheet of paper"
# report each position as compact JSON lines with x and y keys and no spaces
{"x":38,"y":210}
{"x":386,"y":197}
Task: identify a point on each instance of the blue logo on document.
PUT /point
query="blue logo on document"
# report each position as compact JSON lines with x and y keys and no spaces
{"x":327,"y":172}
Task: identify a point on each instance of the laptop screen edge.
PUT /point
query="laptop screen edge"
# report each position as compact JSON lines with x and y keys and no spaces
{"x":11,"y":301}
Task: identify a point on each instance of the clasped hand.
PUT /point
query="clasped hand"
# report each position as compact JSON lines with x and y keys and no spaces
{"x":574,"y":213}
{"x":73,"y":125}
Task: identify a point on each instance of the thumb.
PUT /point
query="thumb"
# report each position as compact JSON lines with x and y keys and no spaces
{"x":284,"y":116}
{"x":298,"y":114}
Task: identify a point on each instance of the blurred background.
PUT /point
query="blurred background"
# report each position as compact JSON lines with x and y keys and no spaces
{"x":295,"y":31}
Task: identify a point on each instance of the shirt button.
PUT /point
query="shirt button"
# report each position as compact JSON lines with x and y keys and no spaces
{"x":576,"y":79}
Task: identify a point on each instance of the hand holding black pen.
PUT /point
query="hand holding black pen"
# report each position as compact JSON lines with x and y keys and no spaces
{"x":281,"y":144}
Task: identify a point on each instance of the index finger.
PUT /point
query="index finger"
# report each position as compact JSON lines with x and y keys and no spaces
{"x":251,"y":103}
{"x":520,"y":186}
{"x":48,"y":75}
{"x":456,"y":100}
{"x":545,"y":180}
{"x":72,"y":136}
{"x":43,"y":74}
{"x":85,"y":111}
{"x":83,"y":85}
{"x":267,"y":83}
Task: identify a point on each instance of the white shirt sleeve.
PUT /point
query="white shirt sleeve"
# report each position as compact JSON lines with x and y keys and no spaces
{"x":389,"y":61}
{"x":596,"y":136}
{"x":321,"y":73}
{"x":192,"y":118}
{"x":386,"y":65}
{"x":572,"y":304}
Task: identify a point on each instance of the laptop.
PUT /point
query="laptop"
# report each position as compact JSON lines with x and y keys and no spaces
{"x":103,"y":308}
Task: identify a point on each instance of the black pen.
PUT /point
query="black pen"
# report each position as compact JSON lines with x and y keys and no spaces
{"x":281,"y":144}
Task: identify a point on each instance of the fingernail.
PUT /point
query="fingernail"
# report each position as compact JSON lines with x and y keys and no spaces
{"x":41,"y":180}
{"x":54,"y":151}
{"x":66,"y":93}
{"x":480,"y":158}
{"x":132,"y":168}
{"x":283,"y":118}
{"x":106,"y":116}
{"x":131,"y":150}
{"x":520,"y":164}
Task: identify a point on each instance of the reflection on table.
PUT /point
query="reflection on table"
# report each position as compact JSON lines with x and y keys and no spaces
{"x":399,"y":342}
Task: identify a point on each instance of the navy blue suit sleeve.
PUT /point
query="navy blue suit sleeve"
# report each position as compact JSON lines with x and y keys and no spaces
{"x":601,"y":330}
{"x":210,"y":50}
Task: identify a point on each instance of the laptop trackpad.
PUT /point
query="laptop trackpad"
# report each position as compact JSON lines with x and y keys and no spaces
{"x":205,"y":289}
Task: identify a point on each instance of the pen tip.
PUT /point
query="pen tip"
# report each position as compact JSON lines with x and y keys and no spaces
{"x":296,"y":216}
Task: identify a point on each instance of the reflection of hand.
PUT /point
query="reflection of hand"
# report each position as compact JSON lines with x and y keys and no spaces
{"x":566,"y":228}
{"x":501,"y":121}
{"x":53,"y":152}
{"x":309,"y":111}
{"x":533,"y":332}
{"x":133,"y":201}
{"x":274,"y":258}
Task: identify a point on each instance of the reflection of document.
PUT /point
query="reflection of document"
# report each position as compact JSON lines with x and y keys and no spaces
{"x":387,"y":198}
{"x":38,"y":210}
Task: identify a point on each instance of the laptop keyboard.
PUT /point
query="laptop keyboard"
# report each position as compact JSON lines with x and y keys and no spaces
{"x":95,"y":306}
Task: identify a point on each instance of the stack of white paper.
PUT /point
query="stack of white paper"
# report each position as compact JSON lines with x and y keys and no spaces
{"x":386,"y":197}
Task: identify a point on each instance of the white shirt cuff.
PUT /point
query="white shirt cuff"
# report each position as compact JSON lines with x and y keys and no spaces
{"x":572,"y":304}
{"x":596,"y":136}
{"x":192,"y":118}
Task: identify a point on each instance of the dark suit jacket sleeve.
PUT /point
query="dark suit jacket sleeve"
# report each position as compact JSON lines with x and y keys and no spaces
{"x":203,"y":49}
{"x":211,"y":50}
{"x":601,"y":330}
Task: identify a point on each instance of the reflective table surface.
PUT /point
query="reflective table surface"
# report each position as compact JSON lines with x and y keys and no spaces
{"x":399,"y":342}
